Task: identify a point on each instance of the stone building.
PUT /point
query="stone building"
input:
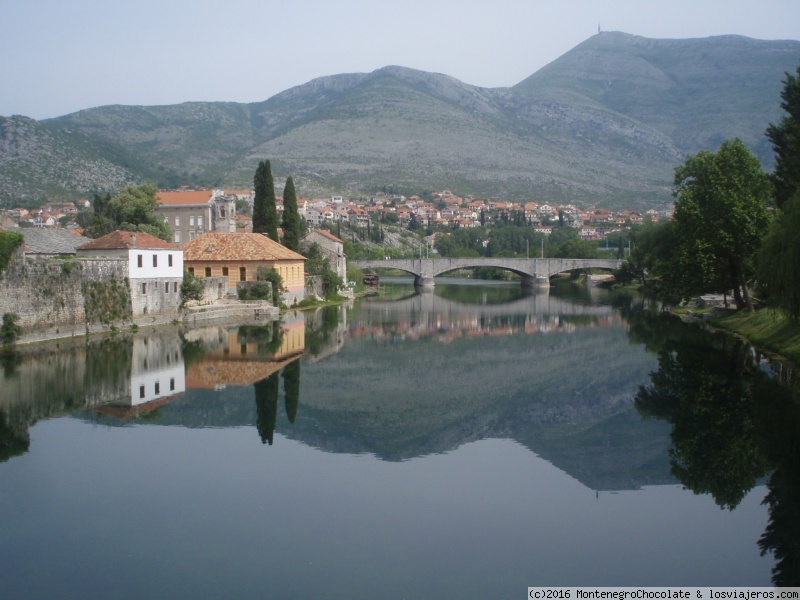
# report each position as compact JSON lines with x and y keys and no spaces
{"x":331,"y":248}
{"x":238,"y":256}
{"x":155,"y":268}
{"x":191,"y":214}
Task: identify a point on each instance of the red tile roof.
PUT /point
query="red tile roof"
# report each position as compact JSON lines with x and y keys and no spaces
{"x":118,"y":240}
{"x":184,"y":198}
{"x":236,"y":247}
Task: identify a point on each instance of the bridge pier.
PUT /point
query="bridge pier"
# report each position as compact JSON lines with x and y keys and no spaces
{"x":424,"y":282}
{"x":535,"y":281}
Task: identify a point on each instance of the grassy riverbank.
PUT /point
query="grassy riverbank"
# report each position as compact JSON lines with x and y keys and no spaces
{"x":766,"y":329}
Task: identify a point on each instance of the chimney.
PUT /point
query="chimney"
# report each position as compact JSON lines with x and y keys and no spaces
{"x":133,"y":240}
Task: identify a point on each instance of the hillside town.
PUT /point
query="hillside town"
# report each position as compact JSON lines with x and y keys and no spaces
{"x":191,"y":213}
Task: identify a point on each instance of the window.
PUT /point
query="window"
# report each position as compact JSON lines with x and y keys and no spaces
{"x":155,"y":260}
{"x":174,"y":287}
{"x":139,"y":260}
{"x":166,"y":287}
{"x":141,"y":391}
{"x":169,"y":260}
{"x":208,"y":271}
{"x":191,"y":221}
{"x":191,"y":270}
{"x":144,"y":288}
{"x":177,"y":237}
{"x":200,"y":222}
{"x":177,"y":221}
{"x":158,"y":387}
{"x":171,"y":384}
{"x":242,"y":273}
{"x":225,"y":271}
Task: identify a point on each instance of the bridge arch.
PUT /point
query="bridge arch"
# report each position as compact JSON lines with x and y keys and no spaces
{"x":532,"y":270}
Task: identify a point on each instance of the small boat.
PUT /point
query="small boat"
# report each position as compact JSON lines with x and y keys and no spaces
{"x":371,"y":279}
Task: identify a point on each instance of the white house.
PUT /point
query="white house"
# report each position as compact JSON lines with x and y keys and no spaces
{"x":155,"y":268}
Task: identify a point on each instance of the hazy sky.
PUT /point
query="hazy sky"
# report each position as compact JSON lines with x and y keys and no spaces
{"x":60,"y":56}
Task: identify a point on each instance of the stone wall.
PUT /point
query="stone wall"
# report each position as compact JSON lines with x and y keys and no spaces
{"x":72,"y":297}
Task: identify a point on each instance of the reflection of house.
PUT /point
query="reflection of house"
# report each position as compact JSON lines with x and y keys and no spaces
{"x":238,"y":256}
{"x":330,"y":247}
{"x":237,"y":357}
{"x":157,"y":377}
{"x":155,"y":268}
{"x":191,"y":214}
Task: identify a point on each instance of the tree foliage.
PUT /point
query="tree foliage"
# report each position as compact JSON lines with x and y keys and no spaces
{"x":291,"y":217}
{"x":720,"y":218}
{"x":318,"y":265}
{"x":133,"y":209}
{"x":9,"y":242}
{"x":10,"y":330}
{"x":785,"y":138}
{"x":779,"y":260}
{"x":265,"y":212}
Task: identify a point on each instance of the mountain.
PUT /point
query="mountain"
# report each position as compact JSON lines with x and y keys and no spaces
{"x":604,"y":124}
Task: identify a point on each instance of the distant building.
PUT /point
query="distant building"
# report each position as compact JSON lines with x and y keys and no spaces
{"x":191,"y":214}
{"x":330,"y":247}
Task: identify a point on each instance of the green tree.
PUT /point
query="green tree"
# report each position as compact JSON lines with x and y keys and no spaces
{"x":785,"y":138}
{"x":577,"y":248}
{"x":720,"y":218}
{"x":133,"y":209}
{"x":291,"y":217}
{"x":10,"y":330}
{"x":779,"y":260}
{"x":265,"y":212}
{"x":651,"y":251}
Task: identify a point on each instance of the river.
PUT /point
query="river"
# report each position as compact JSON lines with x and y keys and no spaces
{"x":466,"y":443}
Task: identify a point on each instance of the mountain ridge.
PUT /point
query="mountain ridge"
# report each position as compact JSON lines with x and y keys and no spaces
{"x":606,"y":123}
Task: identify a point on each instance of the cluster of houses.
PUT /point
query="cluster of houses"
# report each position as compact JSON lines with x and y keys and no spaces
{"x":196,"y":212}
{"x":211,"y":239}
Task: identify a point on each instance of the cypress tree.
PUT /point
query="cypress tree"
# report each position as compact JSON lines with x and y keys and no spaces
{"x":272,"y":210}
{"x":260,"y":199}
{"x":265,"y":212}
{"x":291,"y":217}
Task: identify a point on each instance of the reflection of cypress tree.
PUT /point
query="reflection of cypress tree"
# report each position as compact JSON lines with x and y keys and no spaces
{"x":291,"y":388}
{"x":267,"y":406}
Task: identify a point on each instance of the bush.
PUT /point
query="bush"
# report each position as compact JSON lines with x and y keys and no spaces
{"x":10,"y":331}
{"x":191,"y":288}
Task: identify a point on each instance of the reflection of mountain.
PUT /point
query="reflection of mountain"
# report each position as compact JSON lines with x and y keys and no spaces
{"x":566,"y":396}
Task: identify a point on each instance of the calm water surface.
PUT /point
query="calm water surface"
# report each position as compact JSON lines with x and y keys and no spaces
{"x":462,"y":444}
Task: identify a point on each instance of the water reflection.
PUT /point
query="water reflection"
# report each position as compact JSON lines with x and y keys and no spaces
{"x":734,"y":419}
{"x":562,"y":374}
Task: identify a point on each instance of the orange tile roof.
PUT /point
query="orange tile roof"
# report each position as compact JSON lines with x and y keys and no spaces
{"x":184,"y":198}
{"x":236,"y":247}
{"x":117,"y":240}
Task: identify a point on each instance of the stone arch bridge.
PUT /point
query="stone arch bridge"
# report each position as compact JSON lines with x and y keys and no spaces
{"x":532,"y":270}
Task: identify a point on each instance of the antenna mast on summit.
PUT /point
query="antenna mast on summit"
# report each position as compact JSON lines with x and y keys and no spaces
{"x":598,"y":28}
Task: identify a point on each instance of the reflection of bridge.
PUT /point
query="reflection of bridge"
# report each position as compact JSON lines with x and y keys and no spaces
{"x":428,"y":303}
{"x":425,"y":269}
